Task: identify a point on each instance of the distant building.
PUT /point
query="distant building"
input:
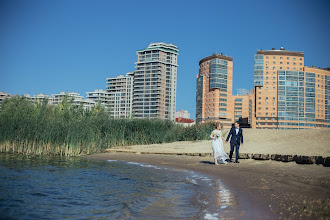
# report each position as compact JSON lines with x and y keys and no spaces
{"x":214,"y":90}
{"x":155,"y":80}
{"x":77,"y":99}
{"x":57,"y":98}
{"x":244,"y":108}
{"x":98,"y":95}
{"x":289,"y":95}
{"x":182,"y":114}
{"x":119,"y":94}
{"x":3,"y":96}
{"x":185,"y":121}
{"x":38,"y":97}
{"x":242,"y":92}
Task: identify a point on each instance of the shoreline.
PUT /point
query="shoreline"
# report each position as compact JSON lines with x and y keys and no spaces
{"x":277,"y":190}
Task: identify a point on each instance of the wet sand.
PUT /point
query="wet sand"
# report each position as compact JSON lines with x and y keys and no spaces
{"x":264,"y":189}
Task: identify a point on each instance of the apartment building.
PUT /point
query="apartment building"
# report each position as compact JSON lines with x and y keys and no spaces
{"x":77,"y":99}
{"x":243,"y":110}
{"x":214,"y":90}
{"x":57,"y":98}
{"x":287,"y":92}
{"x":3,"y":96}
{"x":98,"y":96}
{"x":119,"y":94}
{"x":155,"y":80}
{"x":38,"y":97}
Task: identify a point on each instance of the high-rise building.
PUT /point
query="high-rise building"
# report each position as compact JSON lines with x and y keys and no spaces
{"x":155,"y":80}
{"x":119,"y":95}
{"x":287,"y":92}
{"x":214,"y":90}
{"x":251,"y":119}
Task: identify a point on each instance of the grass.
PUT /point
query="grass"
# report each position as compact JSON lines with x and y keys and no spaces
{"x":39,"y":128}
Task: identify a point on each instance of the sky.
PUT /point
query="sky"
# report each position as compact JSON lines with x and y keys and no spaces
{"x":49,"y":46}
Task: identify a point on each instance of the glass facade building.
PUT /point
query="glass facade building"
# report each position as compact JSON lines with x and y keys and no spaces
{"x":214,"y":90}
{"x":258,"y":70}
{"x":288,"y":94}
{"x":218,"y":74}
{"x":296,"y":99}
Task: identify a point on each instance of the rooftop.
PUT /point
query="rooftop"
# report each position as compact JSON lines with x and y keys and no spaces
{"x":219,"y":56}
{"x":281,"y":51}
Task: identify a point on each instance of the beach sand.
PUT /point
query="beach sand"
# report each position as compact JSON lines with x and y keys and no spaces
{"x":313,"y":142}
{"x":275,"y":190}
{"x":265,"y":189}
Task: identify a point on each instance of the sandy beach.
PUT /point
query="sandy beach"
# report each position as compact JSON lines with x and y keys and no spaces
{"x":266,"y":189}
{"x":256,"y":141}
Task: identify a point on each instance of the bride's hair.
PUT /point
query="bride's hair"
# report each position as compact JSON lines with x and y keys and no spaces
{"x":216,"y":124}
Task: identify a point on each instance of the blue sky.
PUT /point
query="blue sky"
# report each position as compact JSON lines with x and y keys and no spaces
{"x":48,"y":46}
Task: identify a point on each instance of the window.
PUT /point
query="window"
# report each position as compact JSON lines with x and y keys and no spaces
{"x":266,"y":57}
{"x":294,"y":58}
{"x":280,"y":62}
{"x":287,"y":63}
{"x":274,"y":62}
{"x":274,"y":58}
{"x":281,"y":58}
{"x":287,"y":58}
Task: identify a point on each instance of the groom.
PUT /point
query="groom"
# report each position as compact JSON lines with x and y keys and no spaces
{"x":236,"y":134}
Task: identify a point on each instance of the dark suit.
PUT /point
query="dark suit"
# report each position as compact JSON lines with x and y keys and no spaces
{"x":235,"y":141}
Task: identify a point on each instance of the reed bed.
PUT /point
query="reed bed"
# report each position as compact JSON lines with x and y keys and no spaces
{"x":39,"y":128}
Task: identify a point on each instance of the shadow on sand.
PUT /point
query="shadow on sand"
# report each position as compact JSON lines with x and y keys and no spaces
{"x":207,"y":162}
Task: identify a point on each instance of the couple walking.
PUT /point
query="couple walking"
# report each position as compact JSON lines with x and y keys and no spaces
{"x":236,"y":134}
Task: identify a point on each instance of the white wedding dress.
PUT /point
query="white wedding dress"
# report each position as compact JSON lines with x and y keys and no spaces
{"x":217,"y":147}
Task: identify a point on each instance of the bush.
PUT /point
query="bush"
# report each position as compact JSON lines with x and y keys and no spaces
{"x":39,"y":128}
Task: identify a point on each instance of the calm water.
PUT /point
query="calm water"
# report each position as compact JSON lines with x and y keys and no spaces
{"x":74,"y":188}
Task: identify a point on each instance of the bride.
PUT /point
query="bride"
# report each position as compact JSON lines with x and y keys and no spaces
{"x":219,"y":153}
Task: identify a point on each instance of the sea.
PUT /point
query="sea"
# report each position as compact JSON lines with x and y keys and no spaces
{"x":42,"y":187}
